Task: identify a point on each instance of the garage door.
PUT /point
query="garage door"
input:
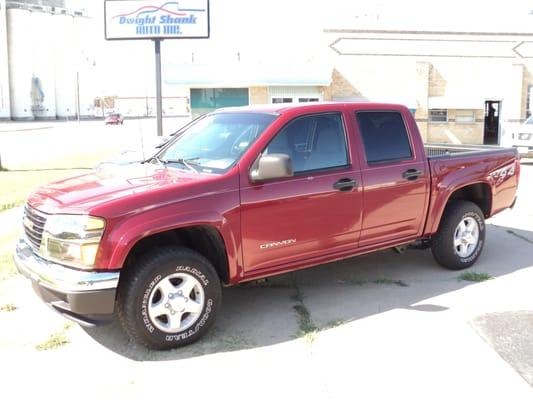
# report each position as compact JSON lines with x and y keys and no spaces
{"x":294,"y":94}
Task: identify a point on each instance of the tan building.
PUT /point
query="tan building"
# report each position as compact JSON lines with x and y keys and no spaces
{"x":463,"y":87}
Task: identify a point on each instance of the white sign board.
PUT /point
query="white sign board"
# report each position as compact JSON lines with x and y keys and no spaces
{"x":142,"y":19}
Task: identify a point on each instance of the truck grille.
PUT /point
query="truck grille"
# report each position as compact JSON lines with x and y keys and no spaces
{"x":33,"y":222}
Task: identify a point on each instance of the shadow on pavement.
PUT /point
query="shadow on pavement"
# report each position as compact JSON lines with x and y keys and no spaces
{"x":264,"y":314}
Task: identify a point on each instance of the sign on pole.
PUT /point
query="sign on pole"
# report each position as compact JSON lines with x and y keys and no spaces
{"x":156,"y":20}
{"x":143,"y":19}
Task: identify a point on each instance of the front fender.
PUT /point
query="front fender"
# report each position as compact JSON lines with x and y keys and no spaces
{"x":125,"y":232}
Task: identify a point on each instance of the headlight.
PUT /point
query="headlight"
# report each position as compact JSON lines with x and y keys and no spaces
{"x":72,"y":239}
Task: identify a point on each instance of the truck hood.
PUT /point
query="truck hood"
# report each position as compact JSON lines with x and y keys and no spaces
{"x":81,"y":194}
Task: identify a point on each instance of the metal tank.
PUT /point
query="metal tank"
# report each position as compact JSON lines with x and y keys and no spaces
{"x":65,"y":65}
{"x":20,"y":62}
{"x":5,"y":107}
{"x":86,"y":66}
{"x":43,"y":78}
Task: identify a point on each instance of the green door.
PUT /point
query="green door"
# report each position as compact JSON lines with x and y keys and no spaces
{"x":204,"y":100}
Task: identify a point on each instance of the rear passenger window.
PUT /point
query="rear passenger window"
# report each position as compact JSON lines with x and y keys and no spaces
{"x":384,"y":136}
{"x":313,"y":142}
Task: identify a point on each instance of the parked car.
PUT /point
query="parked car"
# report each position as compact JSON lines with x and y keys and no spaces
{"x":523,"y":139}
{"x":247,"y":193}
{"x":114,"y":119}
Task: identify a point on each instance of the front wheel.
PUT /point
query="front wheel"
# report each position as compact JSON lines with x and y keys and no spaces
{"x":461,"y":236}
{"x":169,"y":298}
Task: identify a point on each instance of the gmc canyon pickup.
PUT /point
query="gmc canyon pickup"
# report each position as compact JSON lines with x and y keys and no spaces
{"x":246,"y":193}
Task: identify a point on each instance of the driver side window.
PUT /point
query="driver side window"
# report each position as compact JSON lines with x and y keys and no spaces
{"x":312,"y":142}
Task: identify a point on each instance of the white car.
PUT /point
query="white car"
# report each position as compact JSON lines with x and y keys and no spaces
{"x":523,"y":139}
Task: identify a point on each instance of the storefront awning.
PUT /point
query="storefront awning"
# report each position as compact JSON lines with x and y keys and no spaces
{"x":245,"y":75}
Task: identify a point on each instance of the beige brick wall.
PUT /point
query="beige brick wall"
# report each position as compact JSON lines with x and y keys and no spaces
{"x":258,"y":95}
{"x":340,"y":88}
{"x":526,"y":83}
{"x":467,"y":133}
{"x":326,"y":93}
{"x":423,"y":71}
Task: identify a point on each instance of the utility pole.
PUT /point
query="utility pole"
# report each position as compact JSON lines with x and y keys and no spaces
{"x":159,"y":99}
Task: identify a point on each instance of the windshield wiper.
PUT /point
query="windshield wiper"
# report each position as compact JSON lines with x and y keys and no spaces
{"x":156,"y":158}
{"x":184,"y":161}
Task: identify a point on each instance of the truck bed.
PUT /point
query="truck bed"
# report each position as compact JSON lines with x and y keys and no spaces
{"x":493,"y":167}
{"x":443,"y":150}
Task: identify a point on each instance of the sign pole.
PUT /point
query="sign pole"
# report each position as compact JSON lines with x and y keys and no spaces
{"x":159,"y":99}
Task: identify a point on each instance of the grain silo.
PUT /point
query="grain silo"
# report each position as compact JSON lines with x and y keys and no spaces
{"x":43,"y":76}
{"x":20,"y":63}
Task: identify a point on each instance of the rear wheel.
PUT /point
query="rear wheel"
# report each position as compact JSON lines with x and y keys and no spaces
{"x":169,"y":298}
{"x":461,"y":236}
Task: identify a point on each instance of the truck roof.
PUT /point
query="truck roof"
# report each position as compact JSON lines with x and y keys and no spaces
{"x":280,"y":108}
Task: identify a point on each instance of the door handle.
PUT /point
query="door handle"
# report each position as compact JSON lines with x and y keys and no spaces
{"x":411,"y":174}
{"x":345,"y":184}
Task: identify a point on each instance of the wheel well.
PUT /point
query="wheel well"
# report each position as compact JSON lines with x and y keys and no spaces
{"x":204,"y":239}
{"x":478,"y":193}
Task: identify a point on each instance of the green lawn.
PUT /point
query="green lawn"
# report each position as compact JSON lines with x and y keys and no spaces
{"x":14,"y":188}
{"x":16,"y":185}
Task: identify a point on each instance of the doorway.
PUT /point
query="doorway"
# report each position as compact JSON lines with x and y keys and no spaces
{"x":491,"y":129}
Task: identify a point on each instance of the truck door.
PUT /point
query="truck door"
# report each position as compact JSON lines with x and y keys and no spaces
{"x":395,"y":178}
{"x":317,"y":211}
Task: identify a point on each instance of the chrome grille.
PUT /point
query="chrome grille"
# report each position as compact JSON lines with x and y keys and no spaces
{"x":33,"y":222}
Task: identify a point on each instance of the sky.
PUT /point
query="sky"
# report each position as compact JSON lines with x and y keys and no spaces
{"x":290,"y":30}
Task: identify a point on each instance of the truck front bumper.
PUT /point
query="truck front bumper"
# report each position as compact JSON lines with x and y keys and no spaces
{"x":83,"y":296}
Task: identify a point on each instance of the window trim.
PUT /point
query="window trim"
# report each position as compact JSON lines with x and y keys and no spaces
{"x":438,"y":122}
{"x":309,"y":171}
{"x":465,"y":122}
{"x":390,"y":160}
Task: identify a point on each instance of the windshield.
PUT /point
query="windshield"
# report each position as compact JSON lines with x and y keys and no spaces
{"x":529,"y":121}
{"x":216,"y":142}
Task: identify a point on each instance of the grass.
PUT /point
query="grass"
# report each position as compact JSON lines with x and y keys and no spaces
{"x":306,"y":327}
{"x":9,"y":307}
{"x":388,"y":281}
{"x":357,"y":281}
{"x":7,"y":245}
{"x":472,"y":276}
{"x":379,"y":281}
{"x":16,"y":185}
{"x":56,"y":339}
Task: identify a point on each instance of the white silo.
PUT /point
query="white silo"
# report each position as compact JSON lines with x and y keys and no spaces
{"x":87,"y":85}
{"x":65,"y":65}
{"x":5,"y":107}
{"x":43,"y":77}
{"x":20,"y":65}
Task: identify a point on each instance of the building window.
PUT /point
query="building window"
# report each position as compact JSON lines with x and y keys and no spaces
{"x":278,"y":100}
{"x":465,"y":116}
{"x":438,"y":115}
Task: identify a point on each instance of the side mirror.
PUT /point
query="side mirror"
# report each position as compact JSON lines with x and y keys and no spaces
{"x":271,"y":166}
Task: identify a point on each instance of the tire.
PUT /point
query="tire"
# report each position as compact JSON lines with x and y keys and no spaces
{"x":452,"y":246}
{"x":169,"y":298}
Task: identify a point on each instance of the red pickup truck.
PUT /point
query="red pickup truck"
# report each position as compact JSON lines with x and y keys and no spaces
{"x":246,"y":193}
